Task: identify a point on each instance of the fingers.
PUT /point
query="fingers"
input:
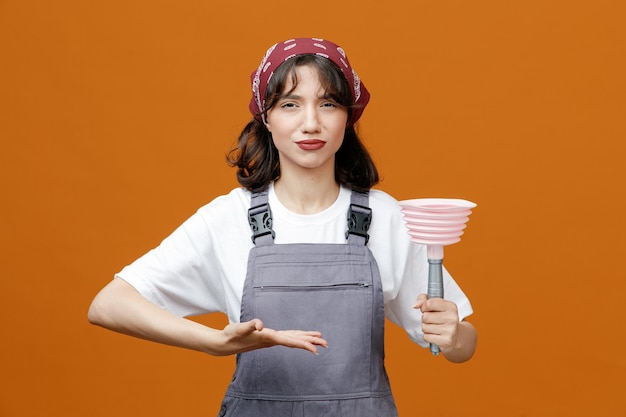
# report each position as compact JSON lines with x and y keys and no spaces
{"x":248,"y":327}
{"x":436,"y":311}
{"x":421,"y":299}
{"x":311,"y":340}
{"x":435,"y":305}
{"x":443,"y":335}
{"x":299,"y":339}
{"x":258,"y":324}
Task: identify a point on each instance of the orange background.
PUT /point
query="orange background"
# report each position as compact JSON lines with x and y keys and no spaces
{"x":115,"y":118}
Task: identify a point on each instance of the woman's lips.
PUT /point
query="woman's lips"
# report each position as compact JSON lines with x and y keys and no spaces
{"x":311,"y":144}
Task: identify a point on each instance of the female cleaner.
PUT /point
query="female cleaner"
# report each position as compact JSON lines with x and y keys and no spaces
{"x":305,"y":258}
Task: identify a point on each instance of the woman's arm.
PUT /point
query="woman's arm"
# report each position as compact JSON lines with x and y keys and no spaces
{"x":119,"y":307}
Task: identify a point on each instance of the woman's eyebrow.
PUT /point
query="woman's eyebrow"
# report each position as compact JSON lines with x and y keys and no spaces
{"x":290,"y":96}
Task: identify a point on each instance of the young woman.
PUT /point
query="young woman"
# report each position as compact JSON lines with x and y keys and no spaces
{"x":305,"y":258}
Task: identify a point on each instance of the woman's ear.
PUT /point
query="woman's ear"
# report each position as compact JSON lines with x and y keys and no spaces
{"x":267,"y":126}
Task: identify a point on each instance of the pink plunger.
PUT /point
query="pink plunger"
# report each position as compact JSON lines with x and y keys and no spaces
{"x":436,"y":222}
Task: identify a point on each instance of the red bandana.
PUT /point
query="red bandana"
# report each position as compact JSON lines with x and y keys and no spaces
{"x":281,"y":52}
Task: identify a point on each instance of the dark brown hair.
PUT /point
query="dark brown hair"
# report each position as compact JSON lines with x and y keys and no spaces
{"x":256,"y":157}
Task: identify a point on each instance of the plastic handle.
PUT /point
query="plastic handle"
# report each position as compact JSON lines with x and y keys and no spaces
{"x":435,"y":288}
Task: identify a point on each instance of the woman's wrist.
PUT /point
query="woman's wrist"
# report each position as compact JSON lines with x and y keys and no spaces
{"x":465,"y":344}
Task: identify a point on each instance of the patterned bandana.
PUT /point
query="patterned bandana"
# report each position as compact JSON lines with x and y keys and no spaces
{"x":281,"y":52}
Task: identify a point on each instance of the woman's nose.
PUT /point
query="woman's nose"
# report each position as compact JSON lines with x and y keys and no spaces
{"x":311,"y":120}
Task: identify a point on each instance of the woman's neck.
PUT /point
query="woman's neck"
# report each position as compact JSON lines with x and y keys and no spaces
{"x":306,"y":195}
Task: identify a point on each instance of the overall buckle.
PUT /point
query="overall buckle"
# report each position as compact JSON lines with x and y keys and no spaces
{"x":260,"y":219}
{"x":359,"y":220}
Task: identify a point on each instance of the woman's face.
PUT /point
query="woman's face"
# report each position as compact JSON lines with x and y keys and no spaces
{"x":307,"y":127}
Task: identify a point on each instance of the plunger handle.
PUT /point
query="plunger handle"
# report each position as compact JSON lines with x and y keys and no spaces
{"x":435,"y":288}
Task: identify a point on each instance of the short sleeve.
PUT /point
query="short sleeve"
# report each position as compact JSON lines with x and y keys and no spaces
{"x":181,"y":275}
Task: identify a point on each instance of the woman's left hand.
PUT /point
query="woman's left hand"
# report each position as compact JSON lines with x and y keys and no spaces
{"x":440,"y":321}
{"x":441,"y":325}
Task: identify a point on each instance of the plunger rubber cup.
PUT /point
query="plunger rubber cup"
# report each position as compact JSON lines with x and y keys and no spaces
{"x":435,"y":222}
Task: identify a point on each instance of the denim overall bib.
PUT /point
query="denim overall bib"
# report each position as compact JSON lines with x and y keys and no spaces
{"x":333,"y":288}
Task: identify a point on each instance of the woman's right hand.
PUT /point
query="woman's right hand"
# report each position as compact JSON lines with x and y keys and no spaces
{"x":250,"y":335}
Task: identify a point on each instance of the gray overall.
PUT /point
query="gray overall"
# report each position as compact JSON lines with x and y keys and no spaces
{"x":333,"y":288}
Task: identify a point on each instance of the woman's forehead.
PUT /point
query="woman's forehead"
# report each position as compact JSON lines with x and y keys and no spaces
{"x":310,"y":74}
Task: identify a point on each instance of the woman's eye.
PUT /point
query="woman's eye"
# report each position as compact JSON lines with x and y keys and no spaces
{"x":287,"y":105}
{"x":329,"y":104}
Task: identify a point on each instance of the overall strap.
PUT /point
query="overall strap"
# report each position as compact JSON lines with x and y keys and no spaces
{"x":260,"y":219}
{"x":359,"y":219}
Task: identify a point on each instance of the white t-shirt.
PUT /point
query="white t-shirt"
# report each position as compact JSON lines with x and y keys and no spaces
{"x":201,"y":267}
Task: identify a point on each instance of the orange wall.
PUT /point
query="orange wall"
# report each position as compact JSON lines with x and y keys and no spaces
{"x":115,"y":118}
